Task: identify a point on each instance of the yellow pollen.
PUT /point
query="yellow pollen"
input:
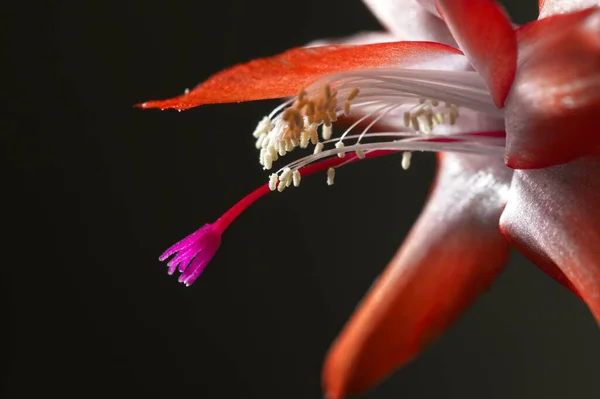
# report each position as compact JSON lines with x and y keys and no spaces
{"x":346,"y":108}
{"x":327,"y":92}
{"x":301,"y":94}
{"x":353,"y":94}
{"x":297,"y":122}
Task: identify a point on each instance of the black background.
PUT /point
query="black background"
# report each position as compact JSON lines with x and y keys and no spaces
{"x":96,"y":190}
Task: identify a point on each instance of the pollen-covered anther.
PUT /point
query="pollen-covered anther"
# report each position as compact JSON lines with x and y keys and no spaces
{"x":360,"y":154}
{"x":453,"y":114}
{"x":426,"y":121}
{"x":289,"y":145}
{"x":330,"y":176}
{"x":294,"y":123}
{"x":428,"y":114}
{"x":281,"y":186}
{"x":273,"y":179}
{"x":296,"y":178}
{"x":272,"y":152}
{"x":260,"y":140}
{"x":314,"y":137}
{"x":285,"y":180}
{"x":267,"y":161}
{"x":304,"y":139}
{"x":353,"y":93}
{"x":326,"y":132}
{"x":340,"y":144}
{"x":301,"y":95}
{"x":346,"y":108}
{"x":406,"y":155}
{"x":284,"y":175}
{"x":318,"y":148}
{"x":414,"y":122}
{"x":407,"y":119}
{"x":282,"y":148}
{"x":264,"y":126}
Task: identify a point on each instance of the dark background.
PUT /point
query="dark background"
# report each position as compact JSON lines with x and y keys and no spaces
{"x":96,"y":190}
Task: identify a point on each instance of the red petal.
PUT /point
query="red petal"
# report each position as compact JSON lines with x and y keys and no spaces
{"x":451,"y":256}
{"x":486,"y":36}
{"x":554,"y":7}
{"x":530,"y":34}
{"x":552,"y":113}
{"x":283,"y":75}
{"x":553,"y":214}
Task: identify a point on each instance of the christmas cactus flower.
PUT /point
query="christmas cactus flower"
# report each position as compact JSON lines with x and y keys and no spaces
{"x":513,"y":113}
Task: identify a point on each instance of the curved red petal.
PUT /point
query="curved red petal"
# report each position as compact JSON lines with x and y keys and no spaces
{"x":555,"y":7}
{"x":553,"y":109}
{"x":553,"y":214}
{"x":451,"y":256}
{"x":283,"y":75}
{"x":486,"y":35}
{"x":530,"y":34}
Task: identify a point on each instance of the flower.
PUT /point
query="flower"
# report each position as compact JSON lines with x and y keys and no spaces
{"x":456,"y":77}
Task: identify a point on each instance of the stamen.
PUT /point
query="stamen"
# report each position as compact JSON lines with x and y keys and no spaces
{"x":406,"y":155}
{"x":326,"y":132}
{"x":264,"y":126}
{"x":487,"y":143}
{"x":346,"y":108}
{"x":273,"y":179}
{"x":318,"y":148}
{"x":375,"y":93}
{"x":296,"y":176}
{"x":340,"y":144}
{"x":330,"y":176}
{"x":353,"y":93}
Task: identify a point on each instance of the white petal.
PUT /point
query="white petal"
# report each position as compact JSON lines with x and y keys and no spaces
{"x":552,"y":7}
{"x":359,"y":38}
{"x":409,"y":20}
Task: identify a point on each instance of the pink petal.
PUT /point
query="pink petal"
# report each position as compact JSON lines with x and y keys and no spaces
{"x":284,"y":74}
{"x":486,"y":36}
{"x":553,"y":216}
{"x":552,"y":113}
{"x":451,"y":256}
{"x":553,"y":7}
{"x":409,"y":20}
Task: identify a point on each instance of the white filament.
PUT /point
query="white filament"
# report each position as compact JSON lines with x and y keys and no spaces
{"x":428,"y":102}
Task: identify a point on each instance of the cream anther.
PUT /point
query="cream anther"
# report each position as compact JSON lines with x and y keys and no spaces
{"x":330,"y":176}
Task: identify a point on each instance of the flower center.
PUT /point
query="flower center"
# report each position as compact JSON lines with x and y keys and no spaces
{"x":420,"y":106}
